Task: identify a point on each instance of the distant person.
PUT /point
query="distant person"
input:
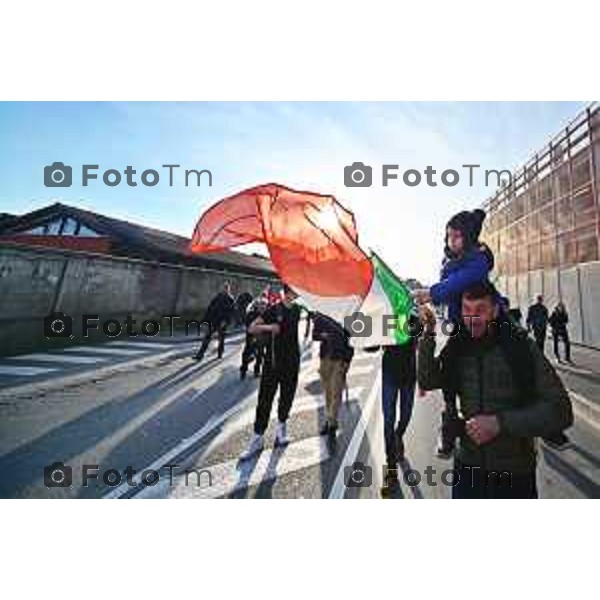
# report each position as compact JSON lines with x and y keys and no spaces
{"x":218,"y":315}
{"x":335,"y":356}
{"x":280,"y":369}
{"x":516,"y":315}
{"x":242,"y":302}
{"x":255,"y":346}
{"x":467,"y":261}
{"x":508,"y":393}
{"x":558,"y":324}
{"x":537,"y":321}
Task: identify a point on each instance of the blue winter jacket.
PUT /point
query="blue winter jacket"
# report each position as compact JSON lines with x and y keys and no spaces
{"x":458,"y":274}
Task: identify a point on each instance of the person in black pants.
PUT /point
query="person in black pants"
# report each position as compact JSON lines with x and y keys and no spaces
{"x":217,"y":316}
{"x":280,"y":369}
{"x":558,"y":323}
{"x":537,"y":321}
{"x":255,"y":346}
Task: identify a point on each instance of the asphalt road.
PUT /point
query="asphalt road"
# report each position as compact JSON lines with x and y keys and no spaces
{"x":153,"y":406}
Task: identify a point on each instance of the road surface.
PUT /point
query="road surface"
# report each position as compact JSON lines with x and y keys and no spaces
{"x":131,"y":410}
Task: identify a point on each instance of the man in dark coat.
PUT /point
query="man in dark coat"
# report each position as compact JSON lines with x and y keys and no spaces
{"x":217,"y":316}
{"x":537,"y":321}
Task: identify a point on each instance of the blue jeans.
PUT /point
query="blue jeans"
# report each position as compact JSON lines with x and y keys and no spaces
{"x":392,"y":432}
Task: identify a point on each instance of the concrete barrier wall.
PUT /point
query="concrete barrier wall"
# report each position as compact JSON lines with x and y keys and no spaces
{"x":37,"y":281}
{"x":578,"y":287}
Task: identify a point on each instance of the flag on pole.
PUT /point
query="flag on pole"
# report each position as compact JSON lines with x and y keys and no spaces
{"x":313,"y":244}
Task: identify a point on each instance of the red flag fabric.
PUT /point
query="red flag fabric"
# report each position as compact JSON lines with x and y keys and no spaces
{"x":311,"y":238}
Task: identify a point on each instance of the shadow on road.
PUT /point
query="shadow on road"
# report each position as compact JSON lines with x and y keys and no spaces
{"x":582,"y":482}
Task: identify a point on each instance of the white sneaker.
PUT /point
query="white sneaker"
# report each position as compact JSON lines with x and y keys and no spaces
{"x":281,"y":438}
{"x":256,"y":445}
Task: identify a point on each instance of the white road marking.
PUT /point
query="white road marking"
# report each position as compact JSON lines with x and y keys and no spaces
{"x":214,"y":422}
{"x":571,"y":368}
{"x":586,"y":409}
{"x":245,"y":419}
{"x":61,"y":358}
{"x":233,"y":475}
{"x":101,"y":350}
{"x":338,"y":489}
{"x":20,"y":371}
{"x":365,"y":370}
{"x":143,"y":345}
{"x":362,"y":357}
{"x":361,"y":370}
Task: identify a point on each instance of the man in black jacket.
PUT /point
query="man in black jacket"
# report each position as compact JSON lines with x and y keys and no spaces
{"x":335,"y":356}
{"x":558,"y":323}
{"x":537,"y":320}
{"x":280,"y":371}
{"x":217,"y":316}
{"x":508,"y":393}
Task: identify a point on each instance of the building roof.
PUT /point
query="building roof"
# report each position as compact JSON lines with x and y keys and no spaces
{"x":5,"y":220}
{"x":131,"y":239}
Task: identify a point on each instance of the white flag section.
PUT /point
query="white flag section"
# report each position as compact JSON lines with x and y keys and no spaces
{"x":370,"y":322}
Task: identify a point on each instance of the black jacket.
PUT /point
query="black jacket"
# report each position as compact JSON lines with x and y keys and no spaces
{"x":336,"y":341}
{"x":558,"y":321}
{"x":400,"y":363}
{"x":537,"y":316}
{"x":220,"y":309}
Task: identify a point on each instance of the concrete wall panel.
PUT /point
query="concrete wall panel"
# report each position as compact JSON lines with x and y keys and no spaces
{"x":569,"y":288}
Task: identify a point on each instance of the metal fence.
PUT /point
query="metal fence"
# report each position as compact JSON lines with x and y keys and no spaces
{"x":544,"y":226}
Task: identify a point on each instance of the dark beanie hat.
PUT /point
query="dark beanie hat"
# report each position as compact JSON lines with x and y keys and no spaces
{"x":469,"y":223}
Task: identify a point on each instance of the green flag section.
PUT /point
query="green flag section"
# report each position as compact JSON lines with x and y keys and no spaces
{"x":398,"y":297}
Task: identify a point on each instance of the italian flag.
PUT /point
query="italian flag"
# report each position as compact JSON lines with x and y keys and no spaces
{"x":313,"y":244}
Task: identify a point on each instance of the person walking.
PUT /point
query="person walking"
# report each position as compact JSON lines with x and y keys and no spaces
{"x":467,"y":261}
{"x":335,"y":356}
{"x":255,"y":345}
{"x":558,"y":324}
{"x":508,"y":394}
{"x":399,"y":376}
{"x":217,"y":316}
{"x":537,"y":321}
{"x":242,"y":302}
{"x":280,"y":369}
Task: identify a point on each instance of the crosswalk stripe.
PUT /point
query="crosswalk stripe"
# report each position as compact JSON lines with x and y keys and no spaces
{"x":100,"y":350}
{"x":142,"y":345}
{"x":20,"y":371}
{"x":61,"y":358}
{"x":300,"y":404}
{"x":572,"y":369}
{"x":338,"y":488}
{"x":313,"y":369}
{"x":214,"y":422}
{"x":360,"y":370}
{"x":233,"y":475}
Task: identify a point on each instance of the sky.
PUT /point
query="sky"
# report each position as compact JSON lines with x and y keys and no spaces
{"x":304,"y":145}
